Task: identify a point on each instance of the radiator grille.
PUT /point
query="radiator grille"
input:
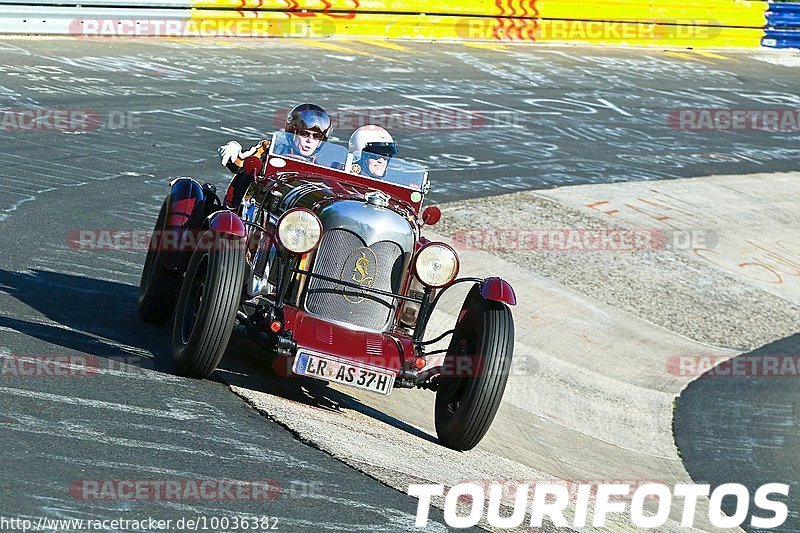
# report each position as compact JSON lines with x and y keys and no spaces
{"x":343,"y":255}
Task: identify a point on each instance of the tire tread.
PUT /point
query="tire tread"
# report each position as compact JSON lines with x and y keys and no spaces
{"x":206,"y":345}
{"x":464,"y":429}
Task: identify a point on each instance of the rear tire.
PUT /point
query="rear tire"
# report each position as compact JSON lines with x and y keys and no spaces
{"x":159,"y":286}
{"x":467,"y":402}
{"x":207,"y":305}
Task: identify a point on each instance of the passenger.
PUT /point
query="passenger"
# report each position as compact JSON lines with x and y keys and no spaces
{"x":372,"y":148}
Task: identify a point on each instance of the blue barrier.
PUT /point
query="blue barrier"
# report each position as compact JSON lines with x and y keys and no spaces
{"x":783,"y":15}
{"x":781,"y":39}
{"x":783,"y":25}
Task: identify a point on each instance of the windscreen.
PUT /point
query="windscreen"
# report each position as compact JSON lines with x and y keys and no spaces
{"x":305,"y":147}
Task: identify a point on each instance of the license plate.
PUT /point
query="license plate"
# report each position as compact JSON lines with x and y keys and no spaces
{"x":351,"y":373}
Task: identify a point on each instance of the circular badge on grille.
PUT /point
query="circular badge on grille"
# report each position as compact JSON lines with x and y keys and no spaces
{"x":360,"y":267}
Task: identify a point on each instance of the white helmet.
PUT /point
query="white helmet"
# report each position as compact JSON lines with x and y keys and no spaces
{"x":372,"y":139}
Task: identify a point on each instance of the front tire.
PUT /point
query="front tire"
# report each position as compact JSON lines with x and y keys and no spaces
{"x":207,"y":305}
{"x":159,"y":286}
{"x":467,"y":401}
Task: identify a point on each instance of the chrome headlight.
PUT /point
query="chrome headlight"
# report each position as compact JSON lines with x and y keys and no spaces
{"x":436,"y":265}
{"x":299,"y":230}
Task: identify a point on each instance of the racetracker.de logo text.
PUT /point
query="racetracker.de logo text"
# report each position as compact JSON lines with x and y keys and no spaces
{"x":175,"y":490}
{"x":741,"y":366}
{"x":49,"y":366}
{"x":39,"y":120}
{"x":71,"y":366}
{"x":415,"y":119}
{"x":95,"y":240}
{"x":560,"y":240}
{"x":535,"y":29}
{"x":769,"y":120}
{"x":238,"y":26}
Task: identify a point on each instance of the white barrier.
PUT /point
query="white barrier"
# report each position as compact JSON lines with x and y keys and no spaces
{"x":68,"y":20}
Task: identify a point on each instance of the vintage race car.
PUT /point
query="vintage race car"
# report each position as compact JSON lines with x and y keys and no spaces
{"x":327,"y":270}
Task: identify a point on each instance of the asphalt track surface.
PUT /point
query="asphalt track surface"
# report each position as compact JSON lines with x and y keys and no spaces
{"x":739,"y":431}
{"x":578,"y":116}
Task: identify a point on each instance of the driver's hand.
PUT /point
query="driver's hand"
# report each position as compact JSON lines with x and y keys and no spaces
{"x":257,"y":150}
{"x":230,"y":152}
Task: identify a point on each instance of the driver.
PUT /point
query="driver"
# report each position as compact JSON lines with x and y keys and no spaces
{"x":372,"y":148}
{"x":309,"y":124}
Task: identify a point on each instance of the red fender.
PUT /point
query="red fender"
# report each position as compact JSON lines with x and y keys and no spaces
{"x":185,"y":207}
{"x":498,"y":290}
{"x":227,"y":223}
{"x":494,"y":289}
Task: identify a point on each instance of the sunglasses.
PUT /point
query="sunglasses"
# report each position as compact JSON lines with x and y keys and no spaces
{"x":385,"y":150}
{"x":305,"y":134}
{"x":375,"y":157}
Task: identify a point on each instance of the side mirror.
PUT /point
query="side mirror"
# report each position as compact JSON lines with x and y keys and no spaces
{"x":431,"y":215}
{"x":252,"y":165}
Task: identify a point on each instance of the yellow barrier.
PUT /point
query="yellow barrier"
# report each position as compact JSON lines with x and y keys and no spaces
{"x":439,"y":7}
{"x":361,"y":25}
{"x":734,"y":13}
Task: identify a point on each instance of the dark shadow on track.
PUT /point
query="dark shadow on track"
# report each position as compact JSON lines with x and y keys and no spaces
{"x":247,"y":366}
{"x":99,"y":318}
{"x":745,"y":429}
{"x":91,"y":316}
